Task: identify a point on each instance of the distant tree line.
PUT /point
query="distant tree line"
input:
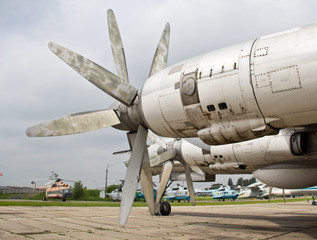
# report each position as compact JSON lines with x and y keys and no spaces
{"x":244,"y":182}
{"x":240,"y":182}
{"x":230,"y":182}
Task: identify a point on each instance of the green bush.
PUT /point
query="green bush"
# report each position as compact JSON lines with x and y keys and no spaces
{"x":113,"y":187}
{"x":78,"y":190}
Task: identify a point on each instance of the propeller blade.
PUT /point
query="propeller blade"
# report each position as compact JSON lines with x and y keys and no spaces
{"x":74,"y":123}
{"x":117,"y":46}
{"x":97,"y":75}
{"x":157,"y":139}
{"x":163,"y":156}
{"x":147,"y":182}
{"x":190,"y":184}
{"x":132,"y":174}
{"x":197,"y":169}
{"x":161,"y":54}
{"x":166,"y":173}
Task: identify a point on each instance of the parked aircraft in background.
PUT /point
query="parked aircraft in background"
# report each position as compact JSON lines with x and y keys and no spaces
{"x":289,"y":192}
{"x":226,"y":97}
{"x":225,"y":192}
{"x":253,"y":190}
{"x":259,"y":190}
{"x":56,"y":190}
{"x":205,"y":193}
{"x":115,"y":195}
{"x":140,"y":195}
{"x":177,"y":193}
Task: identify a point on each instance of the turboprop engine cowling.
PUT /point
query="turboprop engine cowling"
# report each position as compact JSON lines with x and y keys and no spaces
{"x":288,"y":176}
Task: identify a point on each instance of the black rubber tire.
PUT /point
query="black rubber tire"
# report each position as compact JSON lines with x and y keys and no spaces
{"x":44,"y":198}
{"x":165,"y":208}
{"x":64,"y":199}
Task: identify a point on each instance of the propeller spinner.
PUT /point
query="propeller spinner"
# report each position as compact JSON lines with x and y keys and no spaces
{"x":119,"y":88}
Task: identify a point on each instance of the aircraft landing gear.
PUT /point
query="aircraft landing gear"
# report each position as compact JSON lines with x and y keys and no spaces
{"x":164,"y":208}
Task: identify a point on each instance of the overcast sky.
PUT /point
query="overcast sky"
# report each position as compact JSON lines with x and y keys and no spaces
{"x":37,"y":86}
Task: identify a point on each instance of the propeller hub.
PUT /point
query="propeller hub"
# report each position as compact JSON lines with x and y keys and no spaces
{"x":130,"y":117}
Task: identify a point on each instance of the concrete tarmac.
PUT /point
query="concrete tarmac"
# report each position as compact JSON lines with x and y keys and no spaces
{"x":296,"y":220}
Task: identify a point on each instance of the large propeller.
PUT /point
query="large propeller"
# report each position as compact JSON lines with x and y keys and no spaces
{"x":167,"y":154}
{"x":105,"y":80}
{"x":117,"y":46}
{"x":75,"y":123}
{"x":119,"y":88}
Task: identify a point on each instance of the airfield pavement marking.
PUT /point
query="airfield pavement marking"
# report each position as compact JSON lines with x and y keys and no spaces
{"x":278,"y":221}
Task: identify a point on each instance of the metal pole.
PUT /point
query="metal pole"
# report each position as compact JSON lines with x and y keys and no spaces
{"x":284,"y":195}
{"x":270,"y":192}
{"x":106,"y":183}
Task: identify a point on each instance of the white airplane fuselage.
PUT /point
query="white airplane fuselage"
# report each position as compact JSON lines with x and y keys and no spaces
{"x":290,"y":192}
{"x":224,"y":97}
{"x":237,"y":93}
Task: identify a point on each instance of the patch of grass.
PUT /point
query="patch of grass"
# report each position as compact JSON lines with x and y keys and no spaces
{"x":19,"y":196}
{"x":59,"y":203}
{"x":203,"y":198}
{"x":35,"y":197}
{"x":135,"y":204}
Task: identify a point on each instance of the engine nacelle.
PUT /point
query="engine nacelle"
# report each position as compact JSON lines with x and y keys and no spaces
{"x":304,"y":143}
{"x":287,"y":176}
